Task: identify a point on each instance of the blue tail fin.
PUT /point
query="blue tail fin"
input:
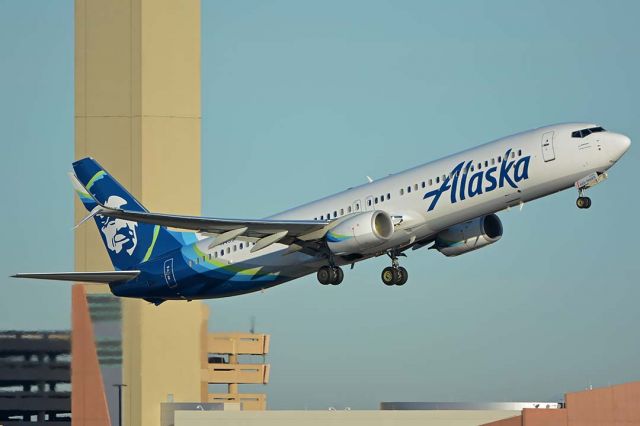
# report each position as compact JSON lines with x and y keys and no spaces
{"x":128,"y":243}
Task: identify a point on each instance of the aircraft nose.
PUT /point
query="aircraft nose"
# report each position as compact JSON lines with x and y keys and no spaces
{"x":622,"y":144}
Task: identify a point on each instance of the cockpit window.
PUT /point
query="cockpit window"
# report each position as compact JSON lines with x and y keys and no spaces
{"x":586,"y":132}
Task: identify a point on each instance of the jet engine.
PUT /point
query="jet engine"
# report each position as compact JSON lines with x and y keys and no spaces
{"x":469,"y":236}
{"x":360,"y":233}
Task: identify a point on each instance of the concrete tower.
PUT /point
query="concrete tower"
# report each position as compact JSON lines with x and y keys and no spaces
{"x":137,"y":111}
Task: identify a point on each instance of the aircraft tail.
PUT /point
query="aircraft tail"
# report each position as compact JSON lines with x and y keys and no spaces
{"x":128,"y":243}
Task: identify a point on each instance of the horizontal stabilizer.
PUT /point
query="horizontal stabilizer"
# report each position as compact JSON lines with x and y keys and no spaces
{"x":107,"y":277}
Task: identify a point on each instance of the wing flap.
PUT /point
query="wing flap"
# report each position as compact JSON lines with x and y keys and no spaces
{"x":106,"y":277}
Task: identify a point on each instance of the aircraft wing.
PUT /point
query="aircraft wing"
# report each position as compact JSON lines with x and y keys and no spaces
{"x":295,"y":233}
{"x":255,"y":228}
{"x":83,"y":277}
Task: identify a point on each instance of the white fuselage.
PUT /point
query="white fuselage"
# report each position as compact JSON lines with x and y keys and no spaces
{"x":556,"y":160}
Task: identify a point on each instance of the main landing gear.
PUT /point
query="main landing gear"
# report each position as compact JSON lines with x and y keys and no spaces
{"x":330,"y":275}
{"x":394,"y":274}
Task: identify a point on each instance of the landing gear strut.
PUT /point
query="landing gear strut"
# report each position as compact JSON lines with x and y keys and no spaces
{"x":330,"y":275}
{"x":394,"y":274}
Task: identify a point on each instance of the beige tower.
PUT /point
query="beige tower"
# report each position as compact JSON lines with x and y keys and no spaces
{"x":137,"y":112}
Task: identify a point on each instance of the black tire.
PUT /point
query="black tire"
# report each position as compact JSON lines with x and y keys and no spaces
{"x":403,"y":276}
{"x":333,"y":275}
{"x":324,"y":275}
{"x":582,"y":202}
{"x":389,"y":276}
{"x":339,"y":276}
{"x":588,"y":200}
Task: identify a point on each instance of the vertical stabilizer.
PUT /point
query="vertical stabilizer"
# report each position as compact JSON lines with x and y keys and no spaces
{"x":128,"y":243}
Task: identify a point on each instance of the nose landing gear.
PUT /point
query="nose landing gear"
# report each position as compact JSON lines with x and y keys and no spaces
{"x":583,"y":202}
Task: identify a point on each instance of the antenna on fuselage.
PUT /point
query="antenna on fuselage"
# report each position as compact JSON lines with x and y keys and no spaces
{"x":369,"y":179}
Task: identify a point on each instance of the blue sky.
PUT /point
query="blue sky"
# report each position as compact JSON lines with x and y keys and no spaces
{"x":303,"y":99}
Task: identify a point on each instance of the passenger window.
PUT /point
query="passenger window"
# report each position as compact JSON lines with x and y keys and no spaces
{"x":321,"y":217}
{"x":221,"y":253}
{"x":349,"y":209}
{"x":408,"y":189}
{"x":472,"y":169}
{"x":335,"y":213}
{"x":358,"y":206}
{"x":424,"y":184}
{"x":401,"y":191}
{"x":444,"y":177}
{"x":479,"y":166}
{"x":215,"y":255}
{"x":341,"y":212}
{"x":513,"y":155}
{"x":519,"y":153}
{"x":430,"y":182}
{"x":438,"y":179}
{"x":493,"y":161}
{"x":486,"y":164}
{"x":388,"y":196}
{"x":415,"y":186}
{"x":499,"y":159}
{"x":376,"y":200}
{"x":369,"y":203}
{"x":190,"y":263}
{"x":235,"y":248}
{"x":228,"y":250}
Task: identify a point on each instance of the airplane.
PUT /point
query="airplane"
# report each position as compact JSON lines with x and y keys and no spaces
{"x":448,"y":205}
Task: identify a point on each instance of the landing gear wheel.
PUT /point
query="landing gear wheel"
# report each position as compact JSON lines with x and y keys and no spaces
{"x":403,"y":276}
{"x":583,"y":202}
{"x":390,"y":275}
{"x":339,"y":275}
{"x":324,"y":275}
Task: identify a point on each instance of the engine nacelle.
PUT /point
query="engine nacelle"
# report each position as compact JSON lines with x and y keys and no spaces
{"x":469,"y":236}
{"x":360,"y":233}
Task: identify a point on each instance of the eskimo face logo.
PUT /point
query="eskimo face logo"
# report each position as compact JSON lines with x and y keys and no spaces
{"x":462,"y":186}
{"x":119,"y":234}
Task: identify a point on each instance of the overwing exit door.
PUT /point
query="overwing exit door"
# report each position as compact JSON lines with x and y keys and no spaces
{"x":548,"y":153}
